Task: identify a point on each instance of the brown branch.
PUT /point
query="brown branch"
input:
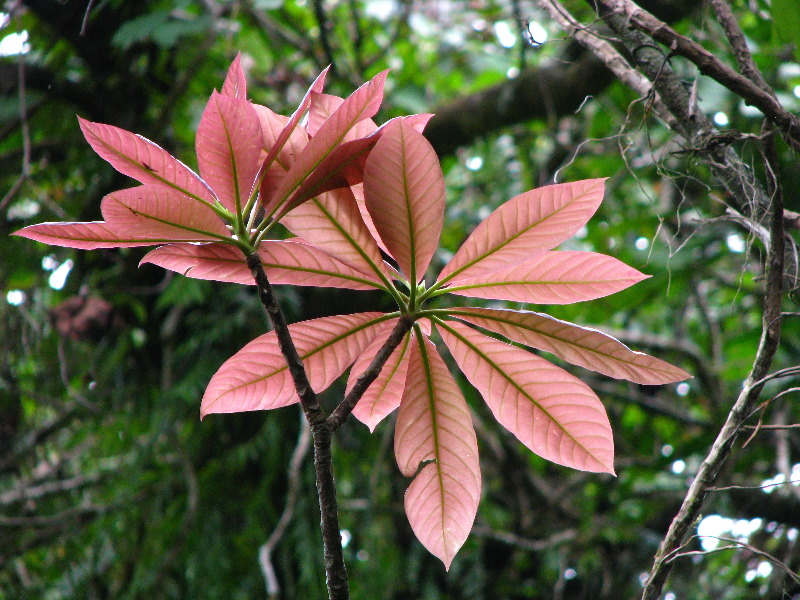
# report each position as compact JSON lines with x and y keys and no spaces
{"x":364,"y":380}
{"x":325,"y":25}
{"x":709,"y":65}
{"x":743,"y":407}
{"x":308,"y":398}
{"x":738,"y":44}
{"x":611,"y":58}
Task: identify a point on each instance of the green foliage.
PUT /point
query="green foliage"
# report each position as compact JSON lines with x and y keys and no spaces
{"x":128,"y":401}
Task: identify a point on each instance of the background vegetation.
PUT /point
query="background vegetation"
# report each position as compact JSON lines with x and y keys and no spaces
{"x":111,"y":487}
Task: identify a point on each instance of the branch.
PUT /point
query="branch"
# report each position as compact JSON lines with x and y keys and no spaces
{"x":35,"y":492}
{"x":739,"y":45}
{"x":553,"y":90}
{"x":611,"y":58}
{"x":364,"y":380}
{"x":709,"y":65}
{"x":308,"y":398}
{"x":742,"y":409}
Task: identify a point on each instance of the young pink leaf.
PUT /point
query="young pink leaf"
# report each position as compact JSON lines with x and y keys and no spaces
{"x":434,"y":426}
{"x":257,"y":378}
{"x":138,"y":157}
{"x":343,"y":167}
{"x":268,"y":200}
{"x":323,"y":106}
{"x":384,"y":394}
{"x":358,"y":193}
{"x":235,"y":84}
{"x":581,"y":346}
{"x":86,"y":236}
{"x":404,"y":194}
{"x":525,"y":226}
{"x":332,"y":223}
{"x":155,"y":211}
{"x":361,"y":104}
{"x":558,"y":277}
{"x":228,"y":146}
{"x":273,"y":126}
{"x":286,"y":262}
{"x":553,"y":413}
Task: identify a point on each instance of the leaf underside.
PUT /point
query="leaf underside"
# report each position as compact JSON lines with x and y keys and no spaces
{"x":557,"y":277}
{"x":553,"y":413}
{"x":385,"y":393}
{"x":404,"y":194}
{"x":434,"y":428}
{"x":257,"y":378}
{"x":525,"y":226}
{"x":581,"y":346}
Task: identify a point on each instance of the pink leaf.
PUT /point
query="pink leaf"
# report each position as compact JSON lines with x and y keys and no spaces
{"x":358,"y":193}
{"x":235,"y":84}
{"x":286,"y":262}
{"x":269,"y":201}
{"x":332,"y":223}
{"x":86,"y":236}
{"x":559,"y":277}
{"x":228,"y":146}
{"x":384,"y":394}
{"x":581,"y":346}
{"x":155,"y":211}
{"x":138,"y":157}
{"x":360,"y":105}
{"x":525,"y":226}
{"x":257,"y":378}
{"x":404,"y":192}
{"x":434,"y":426}
{"x":553,"y":413}
{"x":323,"y":106}
{"x":273,"y":126}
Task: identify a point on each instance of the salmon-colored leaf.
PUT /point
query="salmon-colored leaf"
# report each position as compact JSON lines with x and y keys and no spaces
{"x":235,"y":82}
{"x":525,"y":226}
{"x":228,"y":144}
{"x":358,"y":193}
{"x":404,"y":194}
{"x":332,"y":223}
{"x":155,"y":211}
{"x":269,"y":200}
{"x":273,"y":126}
{"x":323,"y":106}
{"x":384,"y":394}
{"x":581,"y":346}
{"x":286,"y":262}
{"x":361,"y":104}
{"x":558,"y":277}
{"x":434,"y":428}
{"x":138,"y":157}
{"x":86,"y":236}
{"x":257,"y":378}
{"x":344,"y":166}
{"x":553,"y":413}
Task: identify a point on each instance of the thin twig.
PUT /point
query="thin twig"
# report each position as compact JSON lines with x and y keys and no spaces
{"x":734,"y":544}
{"x":85,"y":22}
{"x":325,"y":25}
{"x":293,"y":476}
